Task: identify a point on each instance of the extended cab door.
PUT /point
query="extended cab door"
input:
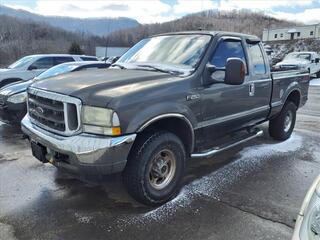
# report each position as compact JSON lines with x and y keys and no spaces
{"x":260,"y":82}
{"x":225,"y":108}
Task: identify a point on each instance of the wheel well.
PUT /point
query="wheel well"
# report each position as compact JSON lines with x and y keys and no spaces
{"x":294,"y":97}
{"x":180,"y":127}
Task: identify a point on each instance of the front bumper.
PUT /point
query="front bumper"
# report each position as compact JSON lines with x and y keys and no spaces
{"x":82,"y":153}
{"x":13,"y":113}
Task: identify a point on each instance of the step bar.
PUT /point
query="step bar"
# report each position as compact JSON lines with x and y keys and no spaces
{"x":217,"y":150}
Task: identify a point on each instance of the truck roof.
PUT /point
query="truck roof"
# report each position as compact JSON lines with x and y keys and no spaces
{"x":212,"y":33}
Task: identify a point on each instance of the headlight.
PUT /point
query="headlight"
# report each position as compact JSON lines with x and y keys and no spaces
{"x":18,"y":98}
{"x":100,"y":121}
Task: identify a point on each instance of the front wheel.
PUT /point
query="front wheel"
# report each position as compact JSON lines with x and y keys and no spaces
{"x":155,"y":168}
{"x":281,"y":127}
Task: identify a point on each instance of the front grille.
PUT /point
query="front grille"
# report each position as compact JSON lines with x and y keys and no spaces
{"x":2,"y":100}
{"x":54,"y":112}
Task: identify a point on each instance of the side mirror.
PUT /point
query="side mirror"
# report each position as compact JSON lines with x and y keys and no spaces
{"x":235,"y":71}
{"x":317,"y":60}
{"x":213,"y":74}
{"x":32,"y":67}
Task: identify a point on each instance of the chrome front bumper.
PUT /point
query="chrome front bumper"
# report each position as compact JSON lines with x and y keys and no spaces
{"x":86,"y":153}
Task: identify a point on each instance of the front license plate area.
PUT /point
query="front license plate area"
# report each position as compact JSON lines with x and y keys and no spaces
{"x":39,"y":151}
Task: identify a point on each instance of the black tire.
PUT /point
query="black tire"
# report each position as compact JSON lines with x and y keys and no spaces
{"x":137,"y":173}
{"x":318,"y":74}
{"x":278,"y":127}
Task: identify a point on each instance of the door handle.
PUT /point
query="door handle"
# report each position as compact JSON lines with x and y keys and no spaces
{"x":251,"y":89}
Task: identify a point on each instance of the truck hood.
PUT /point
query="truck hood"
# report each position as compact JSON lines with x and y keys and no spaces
{"x":297,"y":62}
{"x":99,"y":87}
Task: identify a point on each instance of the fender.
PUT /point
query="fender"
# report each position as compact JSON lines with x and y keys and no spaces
{"x":276,"y":107}
{"x":143,"y":119}
{"x":294,"y":86}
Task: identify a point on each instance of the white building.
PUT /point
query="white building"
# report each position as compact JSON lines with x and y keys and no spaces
{"x":298,"y":32}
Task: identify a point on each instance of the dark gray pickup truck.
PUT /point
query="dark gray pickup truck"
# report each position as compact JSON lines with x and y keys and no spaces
{"x":171,"y":97}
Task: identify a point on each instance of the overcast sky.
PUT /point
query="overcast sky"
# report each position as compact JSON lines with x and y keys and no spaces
{"x":151,"y":11}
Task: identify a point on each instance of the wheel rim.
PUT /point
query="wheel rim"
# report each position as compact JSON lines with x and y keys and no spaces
{"x":162,"y":169}
{"x":288,"y":121}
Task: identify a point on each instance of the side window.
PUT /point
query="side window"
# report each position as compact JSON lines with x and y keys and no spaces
{"x":59,"y":60}
{"x":89,"y":58}
{"x":257,"y":59}
{"x":43,"y":63}
{"x":227,"y":49}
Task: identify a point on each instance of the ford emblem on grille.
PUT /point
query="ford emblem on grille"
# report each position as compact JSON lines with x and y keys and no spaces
{"x":40,"y":110}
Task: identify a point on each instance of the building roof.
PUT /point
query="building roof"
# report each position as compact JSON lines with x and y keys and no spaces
{"x":293,"y":27}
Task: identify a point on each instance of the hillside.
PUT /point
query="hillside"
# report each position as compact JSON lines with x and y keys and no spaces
{"x":239,"y":21}
{"x":19,"y":38}
{"x":94,"y":26}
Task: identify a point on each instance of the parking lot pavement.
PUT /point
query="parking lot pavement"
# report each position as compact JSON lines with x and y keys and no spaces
{"x":253,"y":191}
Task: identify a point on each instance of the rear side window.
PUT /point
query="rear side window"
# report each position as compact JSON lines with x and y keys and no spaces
{"x":227,"y":49}
{"x":89,"y":58}
{"x":43,"y":63}
{"x":257,"y":60}
{"x":60,"y":60}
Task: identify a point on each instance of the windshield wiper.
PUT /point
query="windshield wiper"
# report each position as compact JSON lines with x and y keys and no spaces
{"x":173,"y":72}
{"x":118,"y":65}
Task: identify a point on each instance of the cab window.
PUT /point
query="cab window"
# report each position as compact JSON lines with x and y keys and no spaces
{"x":257,"y":59}
{"x":227,"y":49}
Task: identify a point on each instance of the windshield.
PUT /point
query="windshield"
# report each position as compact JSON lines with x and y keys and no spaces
{"x":57,"y":70}
{"x":306,"y":56}
{"x":21,"y":62}
{"x":181,"y":52}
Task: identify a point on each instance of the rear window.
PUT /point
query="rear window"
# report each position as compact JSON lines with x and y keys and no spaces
{"x":89,"y":58}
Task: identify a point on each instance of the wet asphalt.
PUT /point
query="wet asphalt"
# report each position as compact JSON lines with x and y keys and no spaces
{"x":253,"y":191}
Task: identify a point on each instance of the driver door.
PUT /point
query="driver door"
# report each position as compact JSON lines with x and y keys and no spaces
{"x":225,"y":108}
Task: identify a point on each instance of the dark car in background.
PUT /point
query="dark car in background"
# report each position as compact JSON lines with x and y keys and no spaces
{"x":13,"y":105}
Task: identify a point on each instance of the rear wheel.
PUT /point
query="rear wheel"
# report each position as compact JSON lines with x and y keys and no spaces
{"x":281,"y":127}
{"x":155,"y":168}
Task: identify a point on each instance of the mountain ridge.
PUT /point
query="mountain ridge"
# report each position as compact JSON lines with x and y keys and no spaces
{"x":96,"y":26}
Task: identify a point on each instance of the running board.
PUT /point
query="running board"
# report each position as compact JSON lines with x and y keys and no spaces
{"x":216,"y":150}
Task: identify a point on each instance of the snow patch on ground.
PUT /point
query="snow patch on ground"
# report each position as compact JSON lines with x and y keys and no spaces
{"x":213,"y":185}
{"x":315,"y":82}
{"x":82,"y":219}
{"x":6,"y":232}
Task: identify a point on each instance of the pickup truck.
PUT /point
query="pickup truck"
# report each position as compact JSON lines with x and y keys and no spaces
{"x":307,"y":60}
{"x":169,"y":98}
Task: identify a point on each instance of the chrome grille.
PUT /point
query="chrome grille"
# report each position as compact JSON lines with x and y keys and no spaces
{"x":54,"y":112}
